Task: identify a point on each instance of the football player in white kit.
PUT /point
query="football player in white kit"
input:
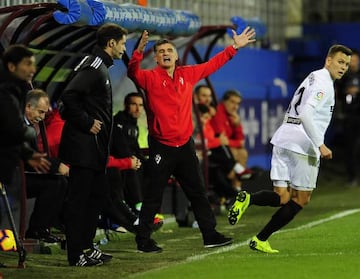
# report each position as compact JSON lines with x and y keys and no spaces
{"x":298,"y":145}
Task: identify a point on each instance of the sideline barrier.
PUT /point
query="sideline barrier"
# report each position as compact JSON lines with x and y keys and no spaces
{"x":132,"y":17}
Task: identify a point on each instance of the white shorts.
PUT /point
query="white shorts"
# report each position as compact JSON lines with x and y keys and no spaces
{"x":293,"y":169}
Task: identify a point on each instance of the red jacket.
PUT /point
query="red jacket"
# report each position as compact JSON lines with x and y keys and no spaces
{"x":169,"y":101}
{"x":221,"y":123}
{"x":209,"y":134}
{"x":54,"y":125}
{"x":120,"y":163}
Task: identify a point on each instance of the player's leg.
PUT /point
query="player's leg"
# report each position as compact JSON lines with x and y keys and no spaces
{"x":300,"y":196}
{"x":280,"y":174}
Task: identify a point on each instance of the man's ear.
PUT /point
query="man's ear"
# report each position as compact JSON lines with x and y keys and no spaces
{"x":11,"y":67}
{"x":328,"y":60}
{"x":27,"y":107}
{"x":111,"y":43}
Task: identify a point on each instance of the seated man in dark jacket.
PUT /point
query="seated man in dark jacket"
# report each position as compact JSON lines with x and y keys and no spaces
{"x":17,"y":70}
{"x":49,"y":189}
{"x":127,"y":183}
{"x":125,"y":145}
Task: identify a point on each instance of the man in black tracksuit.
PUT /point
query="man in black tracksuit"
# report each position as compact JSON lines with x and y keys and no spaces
{"x":125,"y":144}
{"x":87,"y":111}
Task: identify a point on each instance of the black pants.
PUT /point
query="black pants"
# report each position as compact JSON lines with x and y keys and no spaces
{"x":221,"y":162}
{"x":184,"y":165}
{"x":49,"y":191}
{"x":115,"y":207}
{"x":222,"y":157}
{"x":222,"y":185}
{"x":87,"y":193}
{"x":133,"y":187}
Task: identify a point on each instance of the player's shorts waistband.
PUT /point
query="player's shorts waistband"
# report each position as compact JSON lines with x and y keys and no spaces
{"x":292,"y":120}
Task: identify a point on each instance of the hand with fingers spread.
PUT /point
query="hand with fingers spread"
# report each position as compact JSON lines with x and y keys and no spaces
{"x":243,"y":39}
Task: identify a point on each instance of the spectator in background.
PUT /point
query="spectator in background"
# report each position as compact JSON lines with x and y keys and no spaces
{"x":125,"y":144}
{"x":124,"y":180}
{"x":49,"y":190}
{"x":227,"y":121}
{"x":203,"y":95}
{"x":127,"y":183}
{"x":348,"y":89}
{"x":219,"y":155}
{"x":18,"y":69}
{"x":169,"y":94}
{"x":298,"y":145}
{"x":85,"y":141}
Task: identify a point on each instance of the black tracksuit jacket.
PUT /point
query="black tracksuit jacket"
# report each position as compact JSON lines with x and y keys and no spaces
{"x":88,"y":96}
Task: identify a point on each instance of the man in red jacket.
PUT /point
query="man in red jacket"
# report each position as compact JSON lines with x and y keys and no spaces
{"x":168,"y":90}
{"x":227,"y":121}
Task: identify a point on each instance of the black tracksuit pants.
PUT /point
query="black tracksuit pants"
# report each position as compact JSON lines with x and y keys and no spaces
{"x":183,"y":163}
{"x":87,"y":193}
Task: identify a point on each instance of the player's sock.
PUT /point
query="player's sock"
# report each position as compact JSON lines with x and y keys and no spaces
{"x":265,"y":198}
{"x":281,"y":218}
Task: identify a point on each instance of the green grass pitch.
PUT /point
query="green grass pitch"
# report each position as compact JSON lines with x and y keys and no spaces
{"x":323,"y":241}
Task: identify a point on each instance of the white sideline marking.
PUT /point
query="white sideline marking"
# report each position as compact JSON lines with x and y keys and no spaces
{"x":234,"y":246}
{"x":321,"y":221}
{"x":306,"y":226}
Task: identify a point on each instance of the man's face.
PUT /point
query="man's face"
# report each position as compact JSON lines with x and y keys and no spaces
{"x":118,"y":48}
{"x":338,"y":65}
{"x":135,"y":107}
{"x":232,"y":104}
{"x":37,"y":113}
{"x":24,"y":70}
{"x":166,"y":55}
{"x":204,"y":96}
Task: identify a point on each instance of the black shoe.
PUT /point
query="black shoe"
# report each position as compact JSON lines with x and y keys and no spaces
{"x":43,"y":235}
{"x":147,"y":246}
{"x":216,"y":240}
{"x":97,"y":254}
{"x":85,"y":260}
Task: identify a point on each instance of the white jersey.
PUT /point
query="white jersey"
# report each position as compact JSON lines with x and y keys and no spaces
{"x":308,"y":115}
